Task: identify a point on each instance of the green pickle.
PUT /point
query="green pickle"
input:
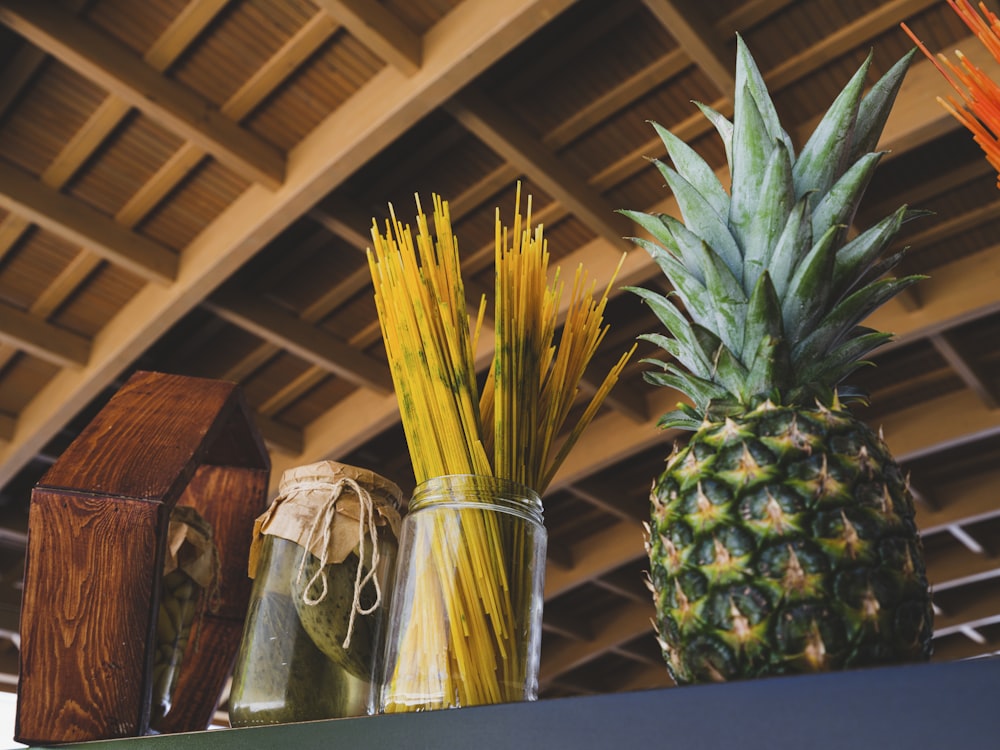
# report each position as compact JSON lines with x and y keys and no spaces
{"x":178,"y":602}
{"x":327,"y":622}
{"x":189,"y":579}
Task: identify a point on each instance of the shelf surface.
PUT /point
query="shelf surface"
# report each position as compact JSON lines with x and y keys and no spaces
{"x":933,"y":706}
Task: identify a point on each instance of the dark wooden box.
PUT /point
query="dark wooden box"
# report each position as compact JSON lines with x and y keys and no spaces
{"x":96,"y":539}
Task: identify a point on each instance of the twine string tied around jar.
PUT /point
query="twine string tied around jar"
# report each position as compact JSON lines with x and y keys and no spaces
{"x":322,"y":526}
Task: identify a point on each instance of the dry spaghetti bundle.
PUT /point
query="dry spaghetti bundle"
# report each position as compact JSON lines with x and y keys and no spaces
{"x":464,"y":644}
{"x":979,"y":109}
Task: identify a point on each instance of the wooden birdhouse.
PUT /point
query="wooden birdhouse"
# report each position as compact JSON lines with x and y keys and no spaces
{"x":96,"y":542}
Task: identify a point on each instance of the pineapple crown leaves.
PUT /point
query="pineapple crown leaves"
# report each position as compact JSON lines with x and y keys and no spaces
{"x":772,"y":291}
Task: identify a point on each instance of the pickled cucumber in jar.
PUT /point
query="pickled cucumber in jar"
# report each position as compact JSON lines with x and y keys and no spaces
{"x":190,"y":578}
{"x":328,"y":620}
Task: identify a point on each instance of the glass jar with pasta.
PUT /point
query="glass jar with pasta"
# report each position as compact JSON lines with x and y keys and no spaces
{"x":466,"y":617}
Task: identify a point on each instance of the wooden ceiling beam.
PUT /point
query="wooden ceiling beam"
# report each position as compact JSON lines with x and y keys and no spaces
{"x":886,"y":16}
{"x":951,"y":297}
{"x":311,"y":343}
{"x":973,"y":612}
{"x":749,"y":14}
{"x":476,"y":195}
{"x":618,"y":589}
{"x":292,"y":390}
{"x":968,"y":499}
{"x":344,"y":218}
{"x":946,"y":230}
{"x":689,"y":26}
{"x":111,"y":65}
{"x":573,"y":628}
{"x":956,"y":293}
{"x":920,"y":193}
{"x":497,"y":129}
{"x":974,"y":379}
{"x":18,"y":72}
{"x":623,"y":624}
{"x":652,"y":676}
{"x":379,"y":29}
{"x":957,"y":646}
{"x":916,"y":117}
{"x":79,"y":224}
{"x":278,"y":436}
{"x":29,"y":333}
{"x":691,"y":127}
{"x":911,"y":122}
{"x":932,"y":425}
{"x":600,"y":553}
{"x":957,"y":565}
{"x":621,"y":96}
{"x":101,"y":123}
{"x":585,"y":496}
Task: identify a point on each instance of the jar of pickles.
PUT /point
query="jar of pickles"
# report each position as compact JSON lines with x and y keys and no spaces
{"x":190,"y":582}
{"x":322,"y":560}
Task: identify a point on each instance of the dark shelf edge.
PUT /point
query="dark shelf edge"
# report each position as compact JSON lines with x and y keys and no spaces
{"x":933,"y":706}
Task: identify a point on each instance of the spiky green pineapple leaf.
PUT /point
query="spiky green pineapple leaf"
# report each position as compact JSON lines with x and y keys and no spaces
{"x":749,"y":81}
{"x":691,"y":246}
{"x":769,"y":365}
{"x":752,"y":149}
{"x":843,"y":318}
{"x":684,"y":417}
{"x":880,"y":268}
{"x":873,"y":112}
{"x":656,"y":225}
{"x":694,"y":357}
{"x":722,"y":125}
{"x":792,"y":245}
{"x":673,"y":235}
{"x":856,"y":257}
{"x":808,"y":290}
{"x":695,"y":170}
{"x":700,"y":390}
{"x":723,"y":368}
{"x":698,"y":212}
{"x":683,"y":354}
{"x":839,"y":205}
{"x":825,"y":156}
{"x":730,"y":373}
{"x":695,"y":295}
{"x":846,"y":358}
{"x":775,"y":202}
{"x":727,"y":300}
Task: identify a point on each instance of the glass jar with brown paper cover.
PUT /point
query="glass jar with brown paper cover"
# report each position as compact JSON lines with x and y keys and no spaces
{"x":322,"y":559}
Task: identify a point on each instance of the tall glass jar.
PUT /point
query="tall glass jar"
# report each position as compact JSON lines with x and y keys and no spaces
{"x":189,"y":587}
{"x":466,"y":616}
{"x":322,"y":561}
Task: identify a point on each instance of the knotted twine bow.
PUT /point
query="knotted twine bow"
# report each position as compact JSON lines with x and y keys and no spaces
{"x":323,"y":526}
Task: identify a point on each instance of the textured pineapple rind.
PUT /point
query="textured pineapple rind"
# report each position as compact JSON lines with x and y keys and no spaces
{"x":785,"y":543}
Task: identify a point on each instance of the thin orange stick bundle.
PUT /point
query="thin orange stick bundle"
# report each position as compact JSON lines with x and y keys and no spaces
{"x":979,"y":109}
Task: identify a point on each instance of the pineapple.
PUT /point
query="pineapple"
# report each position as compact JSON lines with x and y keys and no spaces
{"x":782,"y":535}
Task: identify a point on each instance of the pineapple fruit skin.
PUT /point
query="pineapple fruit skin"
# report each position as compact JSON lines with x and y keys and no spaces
{"x":784,"y":542}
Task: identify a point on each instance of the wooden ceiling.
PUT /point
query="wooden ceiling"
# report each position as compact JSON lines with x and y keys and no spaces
{"x":187,"y":186}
